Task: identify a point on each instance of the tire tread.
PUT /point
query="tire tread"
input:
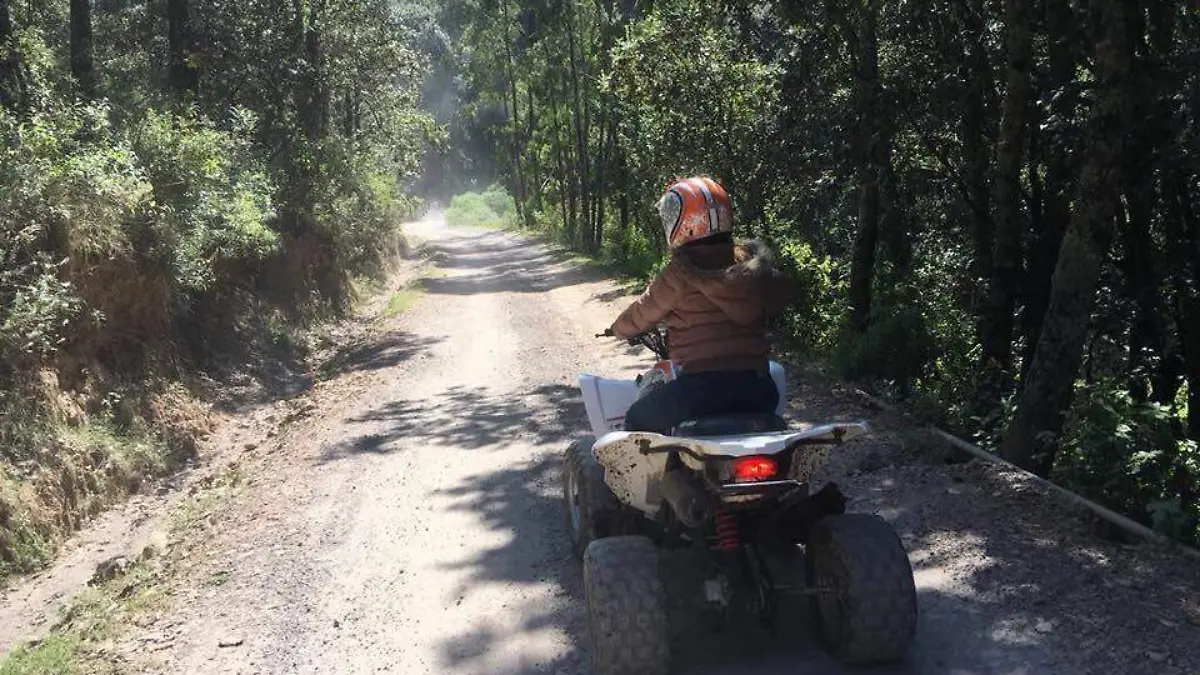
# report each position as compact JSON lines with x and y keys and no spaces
{"x":595,"y":497}
{"x":877,"y":597}
{"x":626,"y":607}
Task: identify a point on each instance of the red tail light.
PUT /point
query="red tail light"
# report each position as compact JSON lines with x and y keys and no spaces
{"x":750,"y":469}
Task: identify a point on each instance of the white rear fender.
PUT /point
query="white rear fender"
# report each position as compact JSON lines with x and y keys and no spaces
{"x":633,"y":468}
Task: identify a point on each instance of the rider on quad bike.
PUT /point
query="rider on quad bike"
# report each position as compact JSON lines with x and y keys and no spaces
{"x":716,"y":296}
{"x":695,"y":455}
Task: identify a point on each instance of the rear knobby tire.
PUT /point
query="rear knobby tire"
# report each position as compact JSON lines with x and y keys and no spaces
{"x":871,"y":614}
{"x":588,"y":502}
{"x":626,"y":606}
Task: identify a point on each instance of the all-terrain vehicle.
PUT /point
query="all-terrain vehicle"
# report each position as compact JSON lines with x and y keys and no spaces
{"x":736,"y":489}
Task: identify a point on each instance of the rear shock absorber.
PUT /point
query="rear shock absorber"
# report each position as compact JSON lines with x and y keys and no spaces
{"x":727,"y":531}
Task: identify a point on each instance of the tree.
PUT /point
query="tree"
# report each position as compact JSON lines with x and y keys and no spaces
{"x":82,"y":67}
{"x":1054,"y":148}
{"x":996,"y":320}
{"x":862,"y":37}
{"x":182,"y":75}
{"x":1032,"y":438}
{"x":12,"y":81}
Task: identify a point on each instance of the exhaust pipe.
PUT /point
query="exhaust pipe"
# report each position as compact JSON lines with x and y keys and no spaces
{"x":688,"y":498}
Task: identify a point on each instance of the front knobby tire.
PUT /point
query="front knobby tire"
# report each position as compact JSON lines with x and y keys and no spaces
{"x":626,"y":605}
{"x":869,"y":614}
{"x":588,"y":502}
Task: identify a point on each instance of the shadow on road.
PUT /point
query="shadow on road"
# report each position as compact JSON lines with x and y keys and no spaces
{"x":387,"y":351}
{"x":467,"y":419}
{"x":1004,"y":586}
{"x":969,"y":623}
{"x":617,"y":293}
{"x":523,"y":502}
{"x":503,"y":264}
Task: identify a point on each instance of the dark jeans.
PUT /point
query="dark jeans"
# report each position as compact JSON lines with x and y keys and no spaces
{"x":695,"y":395}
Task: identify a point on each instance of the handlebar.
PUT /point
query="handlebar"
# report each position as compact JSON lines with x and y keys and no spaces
{"x":654,"y":339}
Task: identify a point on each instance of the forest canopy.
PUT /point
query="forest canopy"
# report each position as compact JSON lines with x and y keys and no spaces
{"x":992,"y":205}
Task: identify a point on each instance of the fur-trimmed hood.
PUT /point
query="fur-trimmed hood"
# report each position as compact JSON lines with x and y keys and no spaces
{"x":744,"y":258}
{"x":738,"y":277}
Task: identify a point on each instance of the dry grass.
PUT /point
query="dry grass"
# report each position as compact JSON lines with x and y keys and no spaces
{"x":68,"y":459}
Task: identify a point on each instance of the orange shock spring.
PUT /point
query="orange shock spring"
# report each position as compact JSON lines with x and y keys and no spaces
{"x":727,"y":530}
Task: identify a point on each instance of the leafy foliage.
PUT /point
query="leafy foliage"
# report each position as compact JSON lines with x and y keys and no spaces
{"x":1128,"y":454}
{"x":212,"y":199}
{"x":493,"y":208}
{"x":223,"y":171}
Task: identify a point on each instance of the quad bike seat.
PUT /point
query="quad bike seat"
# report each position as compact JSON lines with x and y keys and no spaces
{"x":730,"y":425}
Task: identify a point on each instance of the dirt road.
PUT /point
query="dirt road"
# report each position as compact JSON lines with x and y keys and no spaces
{"x":418,"y":527}
{"x":412,"y":524}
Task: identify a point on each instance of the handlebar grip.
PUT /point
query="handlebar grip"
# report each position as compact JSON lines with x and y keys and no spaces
{"x":608,"y":332}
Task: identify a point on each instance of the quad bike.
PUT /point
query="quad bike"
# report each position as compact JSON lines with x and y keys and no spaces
{"x":736,"y":489}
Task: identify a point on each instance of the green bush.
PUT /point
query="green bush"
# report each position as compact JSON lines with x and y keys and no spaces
{"x":634,"y":253}
{"x":1128,"y":456}
{"x":212,"y":197}
{"x":810,"y":322}
{"x":41,"y":310}
{"x":498,"y":200}
{"x":894,"y":349}
{"x":359,"y":207}
{"x":493,"y":208}
{"x":68,"y":190}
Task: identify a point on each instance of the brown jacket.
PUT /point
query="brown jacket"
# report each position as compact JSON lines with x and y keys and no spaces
{"x":716,"y":299}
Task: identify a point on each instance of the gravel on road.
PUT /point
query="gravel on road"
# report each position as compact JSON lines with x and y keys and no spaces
{"x":412,"y":521}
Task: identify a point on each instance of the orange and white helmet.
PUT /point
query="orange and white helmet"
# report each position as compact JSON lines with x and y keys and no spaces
{"x":694,"y":208}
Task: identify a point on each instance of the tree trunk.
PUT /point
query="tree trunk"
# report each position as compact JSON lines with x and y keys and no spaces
{"x":181,"y":74}
{"x":1140,"y":262}
{"x":622,"y":180}
{"x":1142,"y":286}
{"x":581,"y":150}
{"x":82,"y":66}
{"x":535,"y":169}
{"x":1032,"y":438}
{"x":12,"y":80}
{"x":350,"y":120}
{"x":317,"y":105}
{"x":599,"y":180}
{"x":555,"y":144}
{"x":996,"y":320}
{"x":975,"y":155}
{"x":895,"y":239}
{"x":311,"y":101}
{"x":1182,"y":233}
{"x":586,"y":47}
{"x":1187,"y":311}
{"x":866,"y":237}
{"x":516,"y":144}
{"x":1188,"y":317}
{"x":565,"y":200}
{"x":1061,"y":25}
